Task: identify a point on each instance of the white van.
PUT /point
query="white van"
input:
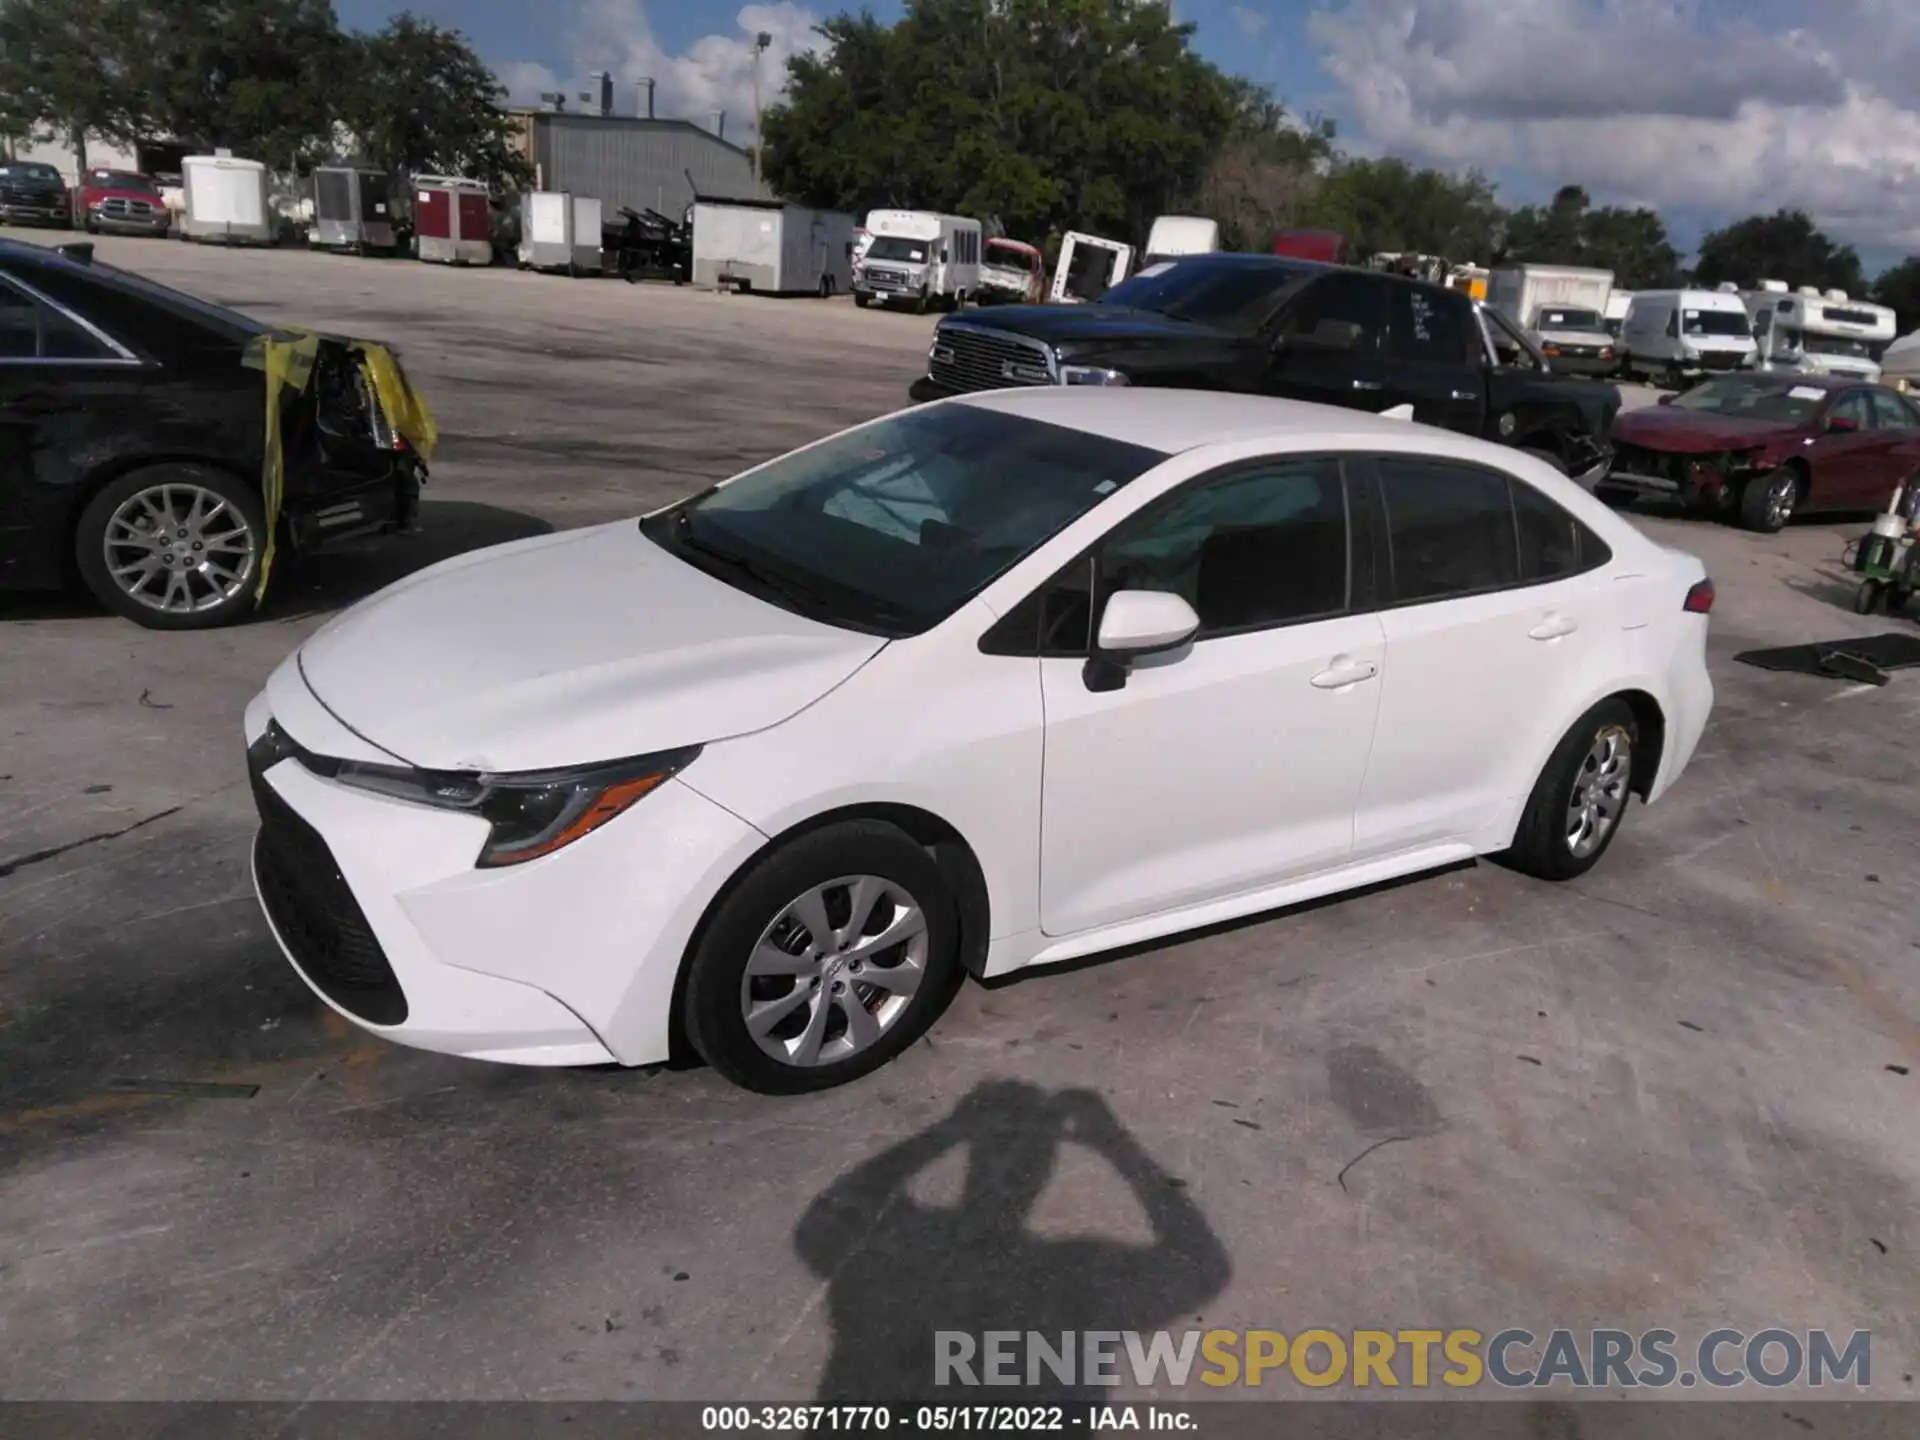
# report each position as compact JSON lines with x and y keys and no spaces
{"x":1670,"y":334}
{"x":918,"y":258}
{"x":1175,"y":235}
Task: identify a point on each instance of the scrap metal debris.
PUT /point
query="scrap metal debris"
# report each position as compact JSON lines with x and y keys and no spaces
{"x":1865,"y":661}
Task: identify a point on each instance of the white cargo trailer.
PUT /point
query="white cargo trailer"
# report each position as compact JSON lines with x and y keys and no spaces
{"x":771,"y":247}
{"x":225,"y":200}
{"x":559,"y":231}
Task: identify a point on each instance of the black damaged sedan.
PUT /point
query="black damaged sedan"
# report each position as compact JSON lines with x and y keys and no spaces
{"x":133,"y":437}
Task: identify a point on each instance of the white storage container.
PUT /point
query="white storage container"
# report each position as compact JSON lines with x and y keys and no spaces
{"x":560,"y":232}
{"x":225,"y":200}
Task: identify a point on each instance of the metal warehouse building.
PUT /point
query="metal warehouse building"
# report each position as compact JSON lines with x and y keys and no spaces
{"x":632,"y":160}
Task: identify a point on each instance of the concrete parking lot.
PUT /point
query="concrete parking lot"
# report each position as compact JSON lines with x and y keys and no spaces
{"x":1677,"y":1093}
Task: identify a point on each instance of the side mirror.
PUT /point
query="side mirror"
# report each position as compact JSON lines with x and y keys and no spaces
{"x":1666,"y":398}
{"x":1135,"y":624}
{"x":1840,"y":425}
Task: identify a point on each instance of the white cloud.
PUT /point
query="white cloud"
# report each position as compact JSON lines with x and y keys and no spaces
{"x":1251,"y":22}
{"x":715,"y":73}
{"x":1687,"y":105}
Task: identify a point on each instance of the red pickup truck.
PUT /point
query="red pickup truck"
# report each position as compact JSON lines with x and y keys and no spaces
{"x":121,"y":202}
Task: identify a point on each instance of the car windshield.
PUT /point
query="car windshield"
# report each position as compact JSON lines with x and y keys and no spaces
{"x":892,"y":527}
{"x":898,"y":247}
{"x":1835,"y":345}
{"x":998,"y":252}
{"x":1779,"y":401}
{"x":120,"y":180}
{"x":1231,"y":294}
{"x":32,"y":174}
{"x":1715,"y":322}
{"x":1556,"y":318}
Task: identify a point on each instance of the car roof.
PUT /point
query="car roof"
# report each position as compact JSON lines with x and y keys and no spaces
{"x":1175,"y":421}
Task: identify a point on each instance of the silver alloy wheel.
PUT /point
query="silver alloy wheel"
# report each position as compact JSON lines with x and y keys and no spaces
{"x":1781,"y":494}
{"x":834,"y":971}
{"x":1599,"y":790}
{"x":179,"y":548}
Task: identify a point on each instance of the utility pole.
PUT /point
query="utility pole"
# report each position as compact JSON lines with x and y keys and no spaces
{"x":760,"y":44}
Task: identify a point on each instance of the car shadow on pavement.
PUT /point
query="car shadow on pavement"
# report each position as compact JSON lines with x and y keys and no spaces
{"x":899,"y":1270}
{"x":315,"y":584}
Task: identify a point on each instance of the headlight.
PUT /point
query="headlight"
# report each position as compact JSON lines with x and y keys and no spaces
{"x":1091,"y":375}
{"x":532,"y":813}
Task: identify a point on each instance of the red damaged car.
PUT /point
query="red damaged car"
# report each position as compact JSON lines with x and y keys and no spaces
{"x":1762,"y":448}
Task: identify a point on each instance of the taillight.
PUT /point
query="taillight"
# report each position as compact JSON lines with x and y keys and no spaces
{"x":1700,"y":599}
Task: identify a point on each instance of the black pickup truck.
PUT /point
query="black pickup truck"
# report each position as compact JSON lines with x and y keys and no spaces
{"x":1257,"y":323}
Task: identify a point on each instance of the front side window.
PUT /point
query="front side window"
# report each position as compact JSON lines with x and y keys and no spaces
{"x":1339,"y":305}
{"x":1262,"y":546}
{"x":1511,"y":349}
{"x":1852,"y":408}
{"x":1450,"y":530}
{"x":1428,"y":326}
{"x":892,"y":527}
{"x":30,"y":330}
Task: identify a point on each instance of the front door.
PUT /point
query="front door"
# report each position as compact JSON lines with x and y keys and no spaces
{"x":1327,"y":346}
{"x":1436,"y":357}
{"x":1491,"y":611}
{"x":1234,"y":763}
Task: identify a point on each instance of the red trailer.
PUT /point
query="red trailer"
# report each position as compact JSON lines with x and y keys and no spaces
{"x":452,"y":220}
{"x":1327,"y":246}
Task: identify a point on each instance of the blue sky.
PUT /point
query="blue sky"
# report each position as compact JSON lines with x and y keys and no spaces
{"x":1705,"y":109}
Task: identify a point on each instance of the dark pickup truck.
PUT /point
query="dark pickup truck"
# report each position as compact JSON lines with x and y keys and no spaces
{"x":1261,"y":324}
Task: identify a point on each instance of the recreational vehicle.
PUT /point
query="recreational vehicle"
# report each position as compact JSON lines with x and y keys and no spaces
{"x":1818,"y":333}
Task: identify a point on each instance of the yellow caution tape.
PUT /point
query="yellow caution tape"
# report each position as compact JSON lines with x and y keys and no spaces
{"x":287,"y":358}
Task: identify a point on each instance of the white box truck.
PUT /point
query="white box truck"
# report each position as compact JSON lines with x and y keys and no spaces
{"x":1175,"y":235}
{"x":771,"y":247}
{"x":919,"y":258}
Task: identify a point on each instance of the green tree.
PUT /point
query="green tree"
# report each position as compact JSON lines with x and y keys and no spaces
{"x":1632,"y":244}
{"x":1899,"y":290}
{"x":1051,"y":114}
{"x":1389,"y":205}
{"x":420,"y":101}
{"x":256,"y":76}
{"x":1268,"y":173}
{"x":62,"y":69}
{"x":1785,"y":245}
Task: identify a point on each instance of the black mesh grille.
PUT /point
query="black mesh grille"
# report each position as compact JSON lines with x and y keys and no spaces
{"x":311,"y":906}
{"x":968,"y":359}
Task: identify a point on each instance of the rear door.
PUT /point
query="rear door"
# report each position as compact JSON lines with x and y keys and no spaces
{"x":1845,"y":462}
{"x":1493,"y":607}
{"x":1327,"y":347}
{"x":1896,"y":417}
{"x":1434,"y":358}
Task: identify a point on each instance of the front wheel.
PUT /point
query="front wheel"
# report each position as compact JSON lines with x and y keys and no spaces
{"x":862,"y":299}
{"x":831,"y":956}
{"x":173,"y":547}
{"x":1578,"y":802}
{"x":1767,"y":502}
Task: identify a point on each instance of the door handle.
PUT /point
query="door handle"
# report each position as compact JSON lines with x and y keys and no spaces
{"x":1463,"y":395}
{"x":1342,"y":673}
{"x":1369,"y":385}
{"x":1552,"y":627}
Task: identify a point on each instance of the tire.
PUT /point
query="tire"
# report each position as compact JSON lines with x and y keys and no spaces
{"x":229,"y":521}
{"x":1544,"y":845}
{"x":759,"y":915}
{"x":1767,"y":502}
{"x":862,"y":299}
{"x":1867,"y":598}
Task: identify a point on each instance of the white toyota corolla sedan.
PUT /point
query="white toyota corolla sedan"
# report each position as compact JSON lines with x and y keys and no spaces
{"x":989,"y":683}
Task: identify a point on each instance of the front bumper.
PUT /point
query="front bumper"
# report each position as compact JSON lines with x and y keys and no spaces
{"x":567,"y":960}
{"x":109,"y":225}
{"x":343,"y":513}
{"x":16,"y":212}
{"x":1592,"y":365}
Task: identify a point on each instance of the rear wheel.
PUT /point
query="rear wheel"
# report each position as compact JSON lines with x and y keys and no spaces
{"x":1768,"y":501}
{"x":830,"y":956}
{"x":173,"y":547}
{"x":1580,"y":798}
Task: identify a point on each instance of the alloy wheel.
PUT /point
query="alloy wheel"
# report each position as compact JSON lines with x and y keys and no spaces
{"x":1599,"y":791}
{"x":179,"y":548}
{"x":1780,"y":499}
{"x":835,"y":970}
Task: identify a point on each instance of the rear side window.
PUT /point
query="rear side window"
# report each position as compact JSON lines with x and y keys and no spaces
{"x":1432,"y":327}
{"x":1893,"y":413}
{"x":1340,"y":305}
{"x":1553,"y":544}
{"x":1450,"y":530}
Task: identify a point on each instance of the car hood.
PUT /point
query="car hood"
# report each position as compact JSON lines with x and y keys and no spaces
{"x":117,"y":192}
{"x":568,"y":649}
{"x":1091,"y":325}
{"x":1693,"y":432}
